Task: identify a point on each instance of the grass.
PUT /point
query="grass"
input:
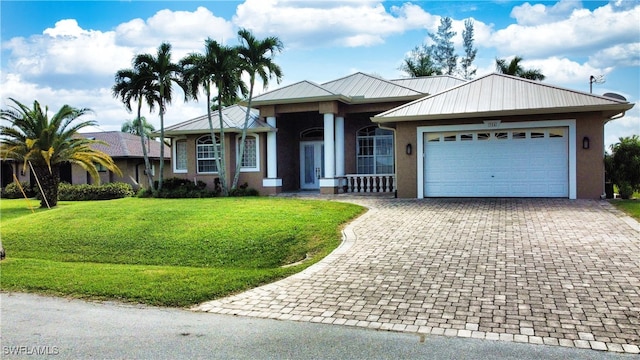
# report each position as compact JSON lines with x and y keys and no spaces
{"x":164,"y":251}
{"x":630,"y":207}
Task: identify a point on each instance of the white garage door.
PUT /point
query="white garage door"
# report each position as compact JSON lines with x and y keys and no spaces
{"x":498,"y":163}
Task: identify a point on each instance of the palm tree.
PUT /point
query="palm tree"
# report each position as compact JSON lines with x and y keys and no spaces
{"x":419,"y":63}
{"x":46,"y":143}
{"x":514,"y":68}
{"x":163,"y":74}
{"x":257,"y":59}
{"x":138,"y":126}
{"x":218,"y":67}
{"x":136,"y":85}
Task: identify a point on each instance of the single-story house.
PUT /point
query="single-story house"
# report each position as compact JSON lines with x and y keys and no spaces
{"x":124,"y":148}
{"x":437,"y":136}
{"x":126,"y":151}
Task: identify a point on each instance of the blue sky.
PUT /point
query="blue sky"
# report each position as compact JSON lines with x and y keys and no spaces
{"x":67,"y":52}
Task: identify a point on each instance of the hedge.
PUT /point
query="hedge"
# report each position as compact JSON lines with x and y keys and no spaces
{"x":12,"y":191}
{"x":85,"y":192}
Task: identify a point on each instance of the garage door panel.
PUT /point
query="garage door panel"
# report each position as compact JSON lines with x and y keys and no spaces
{"x":510,"y":166}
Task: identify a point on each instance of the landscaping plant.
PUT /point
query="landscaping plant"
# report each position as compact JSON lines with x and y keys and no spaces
{"x":623,"y":165}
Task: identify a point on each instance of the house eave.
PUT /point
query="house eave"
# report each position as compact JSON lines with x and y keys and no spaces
{"x":258,"y":103}
{"x":607,"y":112}
{"x":234,"y":130}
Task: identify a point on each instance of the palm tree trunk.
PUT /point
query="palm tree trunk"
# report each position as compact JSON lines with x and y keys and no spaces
{"x":145,"y":153}
{"x":219,"y":164}
{"x":49,"y":180}
{"x":236,"y":176}
{"x":161,"y":177}
{"x":222,"y":167}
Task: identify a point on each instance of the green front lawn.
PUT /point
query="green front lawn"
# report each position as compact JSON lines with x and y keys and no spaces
{"x":164,"y":251}
{"x":631,"y":207}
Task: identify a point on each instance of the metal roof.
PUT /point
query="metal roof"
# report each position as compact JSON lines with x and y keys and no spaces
{"x":353,"y":89}
{"x":124,"y":145}
{"x":430,"y":84}
{"x":360,"y":85}
{"x":232,"y":117}
{"x":499,"y":94}
{"x":300,"y":91}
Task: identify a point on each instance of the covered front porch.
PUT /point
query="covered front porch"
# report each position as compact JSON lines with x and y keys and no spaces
{"x":329,"y":153}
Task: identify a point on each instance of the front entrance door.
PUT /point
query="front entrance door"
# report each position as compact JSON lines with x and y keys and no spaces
{"x":311,"y":164}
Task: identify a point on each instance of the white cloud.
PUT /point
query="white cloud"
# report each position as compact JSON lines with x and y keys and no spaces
{"x":617,"y":55}
{"x":346,"y":23}
{"x":565,"y":71}
{"x":527,"y":14}
{"x":65,"y":50}
{"x":184,"y":29}
{"x":583,"y":32}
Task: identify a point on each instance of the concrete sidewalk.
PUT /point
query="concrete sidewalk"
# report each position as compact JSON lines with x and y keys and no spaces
{"x":538,"y":271}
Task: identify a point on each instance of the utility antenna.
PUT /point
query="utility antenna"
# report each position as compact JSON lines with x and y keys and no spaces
{"x":599,"y":79}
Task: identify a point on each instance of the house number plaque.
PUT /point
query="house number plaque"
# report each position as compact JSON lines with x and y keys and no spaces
{"x":492,"y":124}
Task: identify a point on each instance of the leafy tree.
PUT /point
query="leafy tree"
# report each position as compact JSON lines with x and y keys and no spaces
{"x":419,"y":63}
{"x":218,"y":67}
{"x":138,"y":126}
{"x":47,"y":143}
{"x":257,"y":60}
{"x":442,"y":51}
{"x":136,"y":85}
{"x":623,"y":165}
{"x":466,"y":63}
{"x":515,"y":68}
{"x":163,"y":74}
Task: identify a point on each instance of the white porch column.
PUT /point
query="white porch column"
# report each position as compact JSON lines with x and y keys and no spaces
{"x":272,"y":157}
{"x":329,"y":147}
{"x":339,"y":146}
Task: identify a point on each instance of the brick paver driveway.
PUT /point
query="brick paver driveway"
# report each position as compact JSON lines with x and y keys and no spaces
{"x":556,"y":272}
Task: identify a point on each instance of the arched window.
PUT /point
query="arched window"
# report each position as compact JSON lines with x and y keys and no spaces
{"x":312,"y":134}
{"x":374,"y":151}
{"x":206,"y":156}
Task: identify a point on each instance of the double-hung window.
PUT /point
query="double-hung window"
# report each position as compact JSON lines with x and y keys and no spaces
{"x":374,"y":151}
{"x":206,"y":156}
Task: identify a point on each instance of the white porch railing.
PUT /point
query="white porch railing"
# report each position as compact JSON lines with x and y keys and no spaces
{"x":368,"y":183}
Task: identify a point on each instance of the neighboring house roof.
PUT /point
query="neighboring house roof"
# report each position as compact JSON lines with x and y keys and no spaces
{"x":504,"y":95}
{"x":125,"y":145}
{"x":353,"y":89}
{"x":430,"y":84}
{"x":233,"y":118}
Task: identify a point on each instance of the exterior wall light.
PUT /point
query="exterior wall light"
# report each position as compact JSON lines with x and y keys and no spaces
{"x":409,"y":149}
{"x":585,"y":142}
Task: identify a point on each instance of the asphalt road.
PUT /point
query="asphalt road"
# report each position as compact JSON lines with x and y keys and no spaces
{"x":34,"y":326}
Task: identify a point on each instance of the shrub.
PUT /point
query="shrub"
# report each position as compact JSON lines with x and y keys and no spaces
{"x":178,"y":188}
{"x":623,"y":165}
{"x":85,"y":192}
{"x":12,"y":191}
{"x":626,"y":191}
{"x":243,"y":190}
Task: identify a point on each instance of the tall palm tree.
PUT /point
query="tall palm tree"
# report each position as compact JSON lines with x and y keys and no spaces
{"x":257,"y":60}
{"x":514,"y":68}
{"x":46,"y":143}
{"x":218,"y":67}
{"x":136,"y":85}
{"x":164,"y":74}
